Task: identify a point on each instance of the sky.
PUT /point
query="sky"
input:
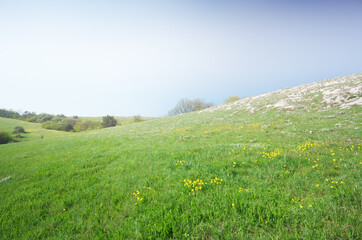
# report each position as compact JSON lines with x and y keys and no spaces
{"x":126,"y":58}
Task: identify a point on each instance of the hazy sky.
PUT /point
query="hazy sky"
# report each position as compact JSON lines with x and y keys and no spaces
{"x":92,"y":58}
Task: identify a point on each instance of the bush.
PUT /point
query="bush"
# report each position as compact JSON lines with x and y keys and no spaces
{"x":232,"y":99}
{"x":4,"y":137}
{"x":109,"y":121}
{"x":87,"y":125}
{"x":66,"y":124}
{"x":69,"y":123}
{"x":185,"y":105}
{"x":18,"y":129}
{"x":137,"y":118}
{"x":55,"y":125}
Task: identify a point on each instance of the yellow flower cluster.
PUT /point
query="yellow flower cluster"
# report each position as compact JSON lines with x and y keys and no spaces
{"x":180,"y":163}
{"x":310,"y":205}
{"x":218,"y":129}
{"x":250,"y":126}
{"x":216,"y":180}
{"x":241,"y":189}
{"x":137,"y":196}
{"x":315,"y":166}
{"x":334,"y":182}
{"x":349,"y":148}
{"x":306,"y":145}
{"x":300,"y":200}
{"x":194,"y":185}
{"x":273,"y":154}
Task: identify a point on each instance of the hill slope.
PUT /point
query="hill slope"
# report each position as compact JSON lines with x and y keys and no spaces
{"x":216,"y":174}
{"x":34,"y":130}
{"x":342,"y":92}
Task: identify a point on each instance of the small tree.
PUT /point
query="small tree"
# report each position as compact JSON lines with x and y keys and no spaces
{"x":185,"y":105}
{"x":109,"y":121}
{"x":137,"y":118}
{"x":68,"y":124}
{"x":44,"y":117}
{"x":4,"y":137}
{"x":232,"y":99}
{"x":18,"y":129}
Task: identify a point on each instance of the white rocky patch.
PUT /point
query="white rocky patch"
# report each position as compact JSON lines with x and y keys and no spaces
{"x":342,"y":92}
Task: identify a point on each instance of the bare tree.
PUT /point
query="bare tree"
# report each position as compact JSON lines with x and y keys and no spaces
{"x":185,"y":105}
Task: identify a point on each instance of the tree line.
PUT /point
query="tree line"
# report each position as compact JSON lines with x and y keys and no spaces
{"x":60,"y":122}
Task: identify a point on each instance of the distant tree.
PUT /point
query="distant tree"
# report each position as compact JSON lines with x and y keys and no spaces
{"x":29,"y":116}
{"x":109,"y":121}
{"x":57,"y":119}
{"x":43,"y":117}
{"x":9,"y":114}
{"x":185,"y":105}
{"x":137,"y":118}
{"x":232,"y":99}
{"x":18,"y":129}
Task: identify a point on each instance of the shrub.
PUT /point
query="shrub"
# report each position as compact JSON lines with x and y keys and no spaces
{"x":185,"y":105}
{"x":55,"y":125}
{"x":32,"y":119}
{"x":4,"y":137}
{"x":87,"y":125}
{"x":65,"y":127}
{"x":16,"y":138}
{"x":232,"y":99}
{"x":137,"y":118}
{"x":18,"y":129}
{"x":109,"y":121}
{"x":66,"y":124}
{"x":69,"y":123}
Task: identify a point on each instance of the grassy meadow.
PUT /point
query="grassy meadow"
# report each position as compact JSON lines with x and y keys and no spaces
{"x":221,"y":175}
{"x":120,"y":120}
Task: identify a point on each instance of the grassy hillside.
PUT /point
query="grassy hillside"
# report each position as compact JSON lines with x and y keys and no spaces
{"x":223,"y":173}
{"x":34,"y":130}
{"x":120,"y":120}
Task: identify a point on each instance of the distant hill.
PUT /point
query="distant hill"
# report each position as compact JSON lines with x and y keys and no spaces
{"x":340,"y":92}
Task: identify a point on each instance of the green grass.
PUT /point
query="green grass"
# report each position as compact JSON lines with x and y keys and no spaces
{"x":34,"y":131}
{"x":120,"y":120}
{"x":128,"y":182}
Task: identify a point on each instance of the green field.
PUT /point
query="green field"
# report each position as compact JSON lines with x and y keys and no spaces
{"x":120,"y":120}
{"x":226,"y":174}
